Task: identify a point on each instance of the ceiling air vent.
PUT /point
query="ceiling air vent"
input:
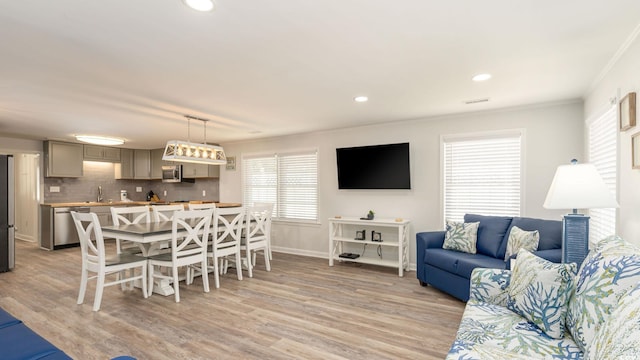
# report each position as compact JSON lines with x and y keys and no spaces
{"x":475,"y":101}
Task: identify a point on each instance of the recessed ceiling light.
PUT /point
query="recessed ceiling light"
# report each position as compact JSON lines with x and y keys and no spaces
{"x":481,"y":77}
{"x":99,"y":140}
{"x":200,"y":5}
{"x":360,"y":99}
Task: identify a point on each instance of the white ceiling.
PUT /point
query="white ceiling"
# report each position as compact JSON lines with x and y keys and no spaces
{"x":132,"y":69}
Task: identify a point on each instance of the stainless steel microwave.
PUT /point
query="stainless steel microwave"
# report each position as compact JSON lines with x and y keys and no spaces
{"x":172,"y":173}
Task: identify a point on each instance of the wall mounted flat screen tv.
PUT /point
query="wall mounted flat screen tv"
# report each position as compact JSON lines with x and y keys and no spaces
{"x":374,"y":167}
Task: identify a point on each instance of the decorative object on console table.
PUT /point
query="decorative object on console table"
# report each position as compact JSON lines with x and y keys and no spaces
{"x":627,"y":111}
{"x":376,"y":236}
{"x":577,"y":186}
{"x":369,"y":216}
{"x":360,"y":235}
{"x":635,"y":151}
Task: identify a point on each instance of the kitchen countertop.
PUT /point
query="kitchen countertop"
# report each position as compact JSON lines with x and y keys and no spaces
{"x":133,"y":203}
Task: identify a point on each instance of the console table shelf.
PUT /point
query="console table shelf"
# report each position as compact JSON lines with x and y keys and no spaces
{"x":337,"y":238}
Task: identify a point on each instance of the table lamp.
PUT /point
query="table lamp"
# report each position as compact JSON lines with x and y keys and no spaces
{"x":577,"y":186}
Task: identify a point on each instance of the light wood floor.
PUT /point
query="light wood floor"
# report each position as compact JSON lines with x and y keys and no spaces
{"x":302,"y":309}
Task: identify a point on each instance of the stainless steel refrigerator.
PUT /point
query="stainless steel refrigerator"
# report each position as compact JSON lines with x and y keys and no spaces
{"x":7,"y":214}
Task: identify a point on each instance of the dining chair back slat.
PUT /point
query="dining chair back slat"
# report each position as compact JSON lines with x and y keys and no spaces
{"x":165,"y":212}
{"x":257,"y":235}
{"x":129,"y":215}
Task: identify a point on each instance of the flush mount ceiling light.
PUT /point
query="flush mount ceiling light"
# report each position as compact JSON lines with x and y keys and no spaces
{"x":360,"y":99}
{"x":186,"y":151}
{"x":200,"y":5}
{"x":481,"y":77}
{"x":99,"y":140}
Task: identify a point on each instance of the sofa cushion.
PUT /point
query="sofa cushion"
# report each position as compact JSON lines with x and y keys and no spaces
{"x":491,"y":234}
{"x":461,"y":236}
{"x":539,"y":291}
{"x":521,"y":239}
{"x":489,"y":331}
{"x":550,"y":231}
{"x":458,"y":263}
{"x":608,"y":344}
{"x":608,"y":272}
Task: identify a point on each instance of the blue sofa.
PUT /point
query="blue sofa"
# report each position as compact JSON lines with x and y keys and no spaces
{"x":450,"y":270}
{"x":18,"y":342}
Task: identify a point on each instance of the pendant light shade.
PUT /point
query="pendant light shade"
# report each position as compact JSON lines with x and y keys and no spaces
{"x":187,"y":151}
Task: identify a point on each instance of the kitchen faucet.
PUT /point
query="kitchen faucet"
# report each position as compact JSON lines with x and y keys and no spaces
{"x":100,"y":193}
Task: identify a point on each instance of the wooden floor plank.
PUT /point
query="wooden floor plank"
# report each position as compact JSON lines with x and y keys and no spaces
{"x":302,"y":309}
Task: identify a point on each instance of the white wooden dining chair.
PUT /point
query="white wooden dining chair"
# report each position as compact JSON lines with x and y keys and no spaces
{"x":255,"y":237}
{"x":189,"y":234}
{"x":272,"y":206}
{"x":95,"y":260}
{"x":165,"y":212}
{"x":129,"y":215}
{"x":227,"y":232}
{"x":201,"y":206}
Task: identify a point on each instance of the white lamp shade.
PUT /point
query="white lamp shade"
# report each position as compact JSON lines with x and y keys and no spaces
{"x":578,"y":186}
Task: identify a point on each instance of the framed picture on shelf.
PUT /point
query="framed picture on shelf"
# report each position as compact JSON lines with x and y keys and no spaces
{"x":635,"y":151}
{"x":627,"y":111}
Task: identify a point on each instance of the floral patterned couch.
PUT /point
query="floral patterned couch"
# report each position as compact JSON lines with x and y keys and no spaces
{"x":542,"y":310}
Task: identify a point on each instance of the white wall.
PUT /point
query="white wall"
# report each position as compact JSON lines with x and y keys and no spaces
{"x":553,"y":136}
{"x":622,"y":78}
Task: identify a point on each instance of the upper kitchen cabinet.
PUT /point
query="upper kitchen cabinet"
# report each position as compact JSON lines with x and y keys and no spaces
{"x":101,"y":153}
{"x":124,"y":170}
{"x":156,"y":163}
{"x":141,"y":164}
{"x":63,"y":159}
{"x":193,"y":171}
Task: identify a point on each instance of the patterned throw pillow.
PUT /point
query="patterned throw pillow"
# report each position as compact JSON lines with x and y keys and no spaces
{"x":461,"y":236}
{"x":539,"y":291}
{"x":520,"y":239}
{"x":610,"y":270}
{"x":618,"y":337}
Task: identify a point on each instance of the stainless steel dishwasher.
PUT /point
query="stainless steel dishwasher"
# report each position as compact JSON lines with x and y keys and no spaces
{"x":58,"y":229}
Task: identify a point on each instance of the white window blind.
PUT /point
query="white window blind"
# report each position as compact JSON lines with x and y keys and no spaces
{"x":603,"y":144}
{"x":288,"y":180}
{"x":482,"y":176}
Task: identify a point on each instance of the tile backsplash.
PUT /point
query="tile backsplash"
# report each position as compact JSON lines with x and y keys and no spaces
{"x":102,"y":174}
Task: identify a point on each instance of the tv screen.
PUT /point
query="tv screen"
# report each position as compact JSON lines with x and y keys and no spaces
{"x":374,"y":167}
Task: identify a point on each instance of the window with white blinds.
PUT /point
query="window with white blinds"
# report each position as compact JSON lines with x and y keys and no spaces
{"x":288,"y":180}
{"x":482,"y":175}
{"x":603,"y":144}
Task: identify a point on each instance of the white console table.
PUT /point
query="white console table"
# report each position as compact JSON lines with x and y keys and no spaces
{"x":338,"y":236}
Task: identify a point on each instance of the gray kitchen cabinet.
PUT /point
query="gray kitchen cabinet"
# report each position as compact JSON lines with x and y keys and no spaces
{"x":193,"y":171}
{"x":141,"y":164}
{"x":124,"y":170}
{"x":101,"y":153}
{"x":156,"y":163}
{"x":63,"y":159}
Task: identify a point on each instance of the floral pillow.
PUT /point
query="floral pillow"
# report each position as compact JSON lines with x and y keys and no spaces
{"x":539,"y":292}
{"x":520,"y":239}
{"x":461,"y":236}
{"x":610,"y":270}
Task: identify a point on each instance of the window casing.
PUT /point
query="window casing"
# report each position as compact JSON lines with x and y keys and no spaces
{"x":602,"y":147}
{"x":288,"y":180}
{"x":482,"y":175}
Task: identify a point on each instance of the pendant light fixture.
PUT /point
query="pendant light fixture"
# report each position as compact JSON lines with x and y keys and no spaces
{"x":186,"y":151}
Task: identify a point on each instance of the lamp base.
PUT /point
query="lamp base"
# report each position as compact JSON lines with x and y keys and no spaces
{"x":575,"y":238}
